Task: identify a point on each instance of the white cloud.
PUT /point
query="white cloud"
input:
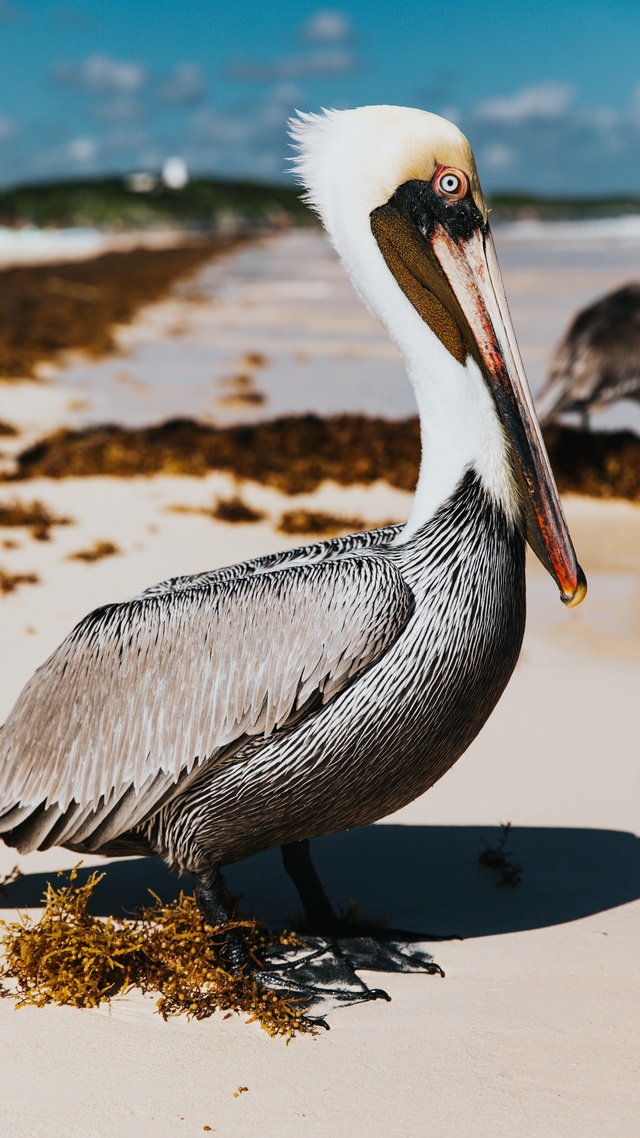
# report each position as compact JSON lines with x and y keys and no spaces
{"x":305,"y":65}
{"x":8,"y":129}
{"x":81,"y":150}
{"x":327,"y":25}
{"x":541,"y":138}
{"x":497,"y":156}
{"x":101,"y":75}
{"x":122,"y":91}
{"x":541,"y":101}
{"x":247,"y":124}
{"x":329,"y":34}
{"x":184,"y":87}
{"x":119,"y":109}
{"x":249,"y":140}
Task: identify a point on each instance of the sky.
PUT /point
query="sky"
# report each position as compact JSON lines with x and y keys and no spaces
{"x":548,"y":93}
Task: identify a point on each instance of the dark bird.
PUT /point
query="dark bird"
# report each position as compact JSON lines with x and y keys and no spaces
{"x":598,"y":362}
{"x":218,"y":715}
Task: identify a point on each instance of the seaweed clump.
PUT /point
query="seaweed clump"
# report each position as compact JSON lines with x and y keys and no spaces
{"x":95,"y":552}
{"x":233,"y":510}
{"x":33,"y":515}
{"x":601,"y":464}
{"x":49,"y":309}
{"x":9,"y":582}
{"x":295,"y":453}
{"x":318,"y":522}
{"x":70,"y":957}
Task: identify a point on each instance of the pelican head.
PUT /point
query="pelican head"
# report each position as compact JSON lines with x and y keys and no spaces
{"x":398,"y":192}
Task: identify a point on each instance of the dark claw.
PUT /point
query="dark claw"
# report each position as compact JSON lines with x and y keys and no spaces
{"x":388,"y":951}
{"x":380,"y":994}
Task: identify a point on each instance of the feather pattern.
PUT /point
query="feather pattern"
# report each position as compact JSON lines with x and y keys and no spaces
{"x":393,"y":732}
{"x":298,"y":694}
{"x":141,"y":693}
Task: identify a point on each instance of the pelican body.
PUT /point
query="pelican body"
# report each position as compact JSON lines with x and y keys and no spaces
{"x":219,"y":715}
{"x":598,"y":361}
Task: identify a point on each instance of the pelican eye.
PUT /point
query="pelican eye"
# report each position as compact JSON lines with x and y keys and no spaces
{"x":451,"y":184}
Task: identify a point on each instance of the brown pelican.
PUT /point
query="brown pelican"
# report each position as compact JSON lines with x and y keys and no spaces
{"x":218,"y":715}
{"x":598,"y":361}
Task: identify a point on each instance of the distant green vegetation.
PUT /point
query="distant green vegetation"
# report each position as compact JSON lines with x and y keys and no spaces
{"x":204,"y":203}
{"x":208,"y":203}
{"x":508,"y":206}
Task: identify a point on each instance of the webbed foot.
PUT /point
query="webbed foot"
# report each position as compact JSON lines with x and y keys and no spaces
{"x":321,"y":973}
{"x":317,"y":975}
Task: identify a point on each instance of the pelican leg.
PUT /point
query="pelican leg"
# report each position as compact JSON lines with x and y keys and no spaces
{"x":358,"y":946}
{"x":316,"y":975}
{"x":321,"y":916}
{"x":213,"y":902}
{"x":319,"y":972}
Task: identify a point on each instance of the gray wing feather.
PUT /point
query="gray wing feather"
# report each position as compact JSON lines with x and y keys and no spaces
{"x":301,"y":555}
{"x":143,"y":693}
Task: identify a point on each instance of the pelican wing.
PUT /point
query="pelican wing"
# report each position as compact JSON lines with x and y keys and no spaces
{"x":141,"y":694}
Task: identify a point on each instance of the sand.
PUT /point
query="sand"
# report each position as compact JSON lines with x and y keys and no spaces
{"x":287,"y":301}
{"x":533,"y":1030}
{"x":30,"y":245}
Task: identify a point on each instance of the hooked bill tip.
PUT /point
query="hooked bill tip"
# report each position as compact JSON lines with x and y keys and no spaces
{"x":578,"y":594}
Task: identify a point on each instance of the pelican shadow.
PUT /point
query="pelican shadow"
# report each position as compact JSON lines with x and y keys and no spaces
{"x":417,"y":877}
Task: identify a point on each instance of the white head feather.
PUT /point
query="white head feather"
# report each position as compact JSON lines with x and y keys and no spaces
{"x":351,"y":162}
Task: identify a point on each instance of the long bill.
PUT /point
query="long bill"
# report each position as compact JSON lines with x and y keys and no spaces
{"x":472,"y":272}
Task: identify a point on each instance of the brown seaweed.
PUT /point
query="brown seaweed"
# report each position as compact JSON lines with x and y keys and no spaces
{"x":95,"y":552}
{"x":232,"y":510}
{"x":317,"y":522}
{"x":295,"y":454}
{"x":69,"y":957}
{"x":48,"y":309}
{"x":9,"y":582}
{"x":34,"y":515}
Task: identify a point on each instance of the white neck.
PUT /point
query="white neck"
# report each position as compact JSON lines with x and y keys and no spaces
{"x":459,"y":425}
{"x":459,"y":428}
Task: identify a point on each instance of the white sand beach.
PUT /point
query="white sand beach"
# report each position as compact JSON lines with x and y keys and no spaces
{"x":533,"y":1032}
{"x":286,"y":300}
{"x":28,"y":245}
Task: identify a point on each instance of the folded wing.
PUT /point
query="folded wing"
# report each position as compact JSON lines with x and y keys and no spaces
{"x":140,"y":695}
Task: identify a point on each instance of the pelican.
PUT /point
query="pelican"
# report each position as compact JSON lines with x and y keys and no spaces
{"x":598,"y":361}
{"x":219,"y":715}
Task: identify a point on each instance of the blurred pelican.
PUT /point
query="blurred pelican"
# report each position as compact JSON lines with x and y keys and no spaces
{"x":598,"y":362}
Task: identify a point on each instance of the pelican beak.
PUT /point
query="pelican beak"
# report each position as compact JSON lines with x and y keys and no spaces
{"x":450,"y":273}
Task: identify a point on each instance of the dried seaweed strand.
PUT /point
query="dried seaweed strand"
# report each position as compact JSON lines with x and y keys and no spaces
{"x":499,"y":860}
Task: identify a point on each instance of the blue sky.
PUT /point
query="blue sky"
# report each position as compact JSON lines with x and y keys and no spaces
{"x":548,"y":93}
